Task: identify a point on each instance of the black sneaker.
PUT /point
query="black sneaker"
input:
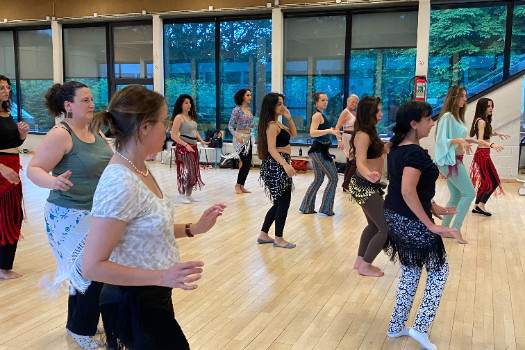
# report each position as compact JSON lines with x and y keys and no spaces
{"x":478,"y":210}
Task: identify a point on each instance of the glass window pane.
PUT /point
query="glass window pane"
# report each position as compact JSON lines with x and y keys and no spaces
{"x":314,"y":61}
{"x":246,"y":60}
{"x":384,"y":30}
{"x":517,"y":55}
{"x":466,"y":48}
{"x":133,"y":54}
{"x":36,"y":76}
{"x":85,"y":61}
{"x":189,"y":68}
{"x":383,"y":65}
{"x":7,"y":65}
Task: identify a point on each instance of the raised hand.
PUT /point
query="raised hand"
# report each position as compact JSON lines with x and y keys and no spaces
{"x":182,"y":275}
{"x":497,"y":147}
{"x":208,"y":218}
{"x":23,"y":129}
{"x":62,"y":182}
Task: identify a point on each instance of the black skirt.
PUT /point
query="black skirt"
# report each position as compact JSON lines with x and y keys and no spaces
{"x":141,"y":318}
{"x":412,"y":243}
{"x":273,"y":177}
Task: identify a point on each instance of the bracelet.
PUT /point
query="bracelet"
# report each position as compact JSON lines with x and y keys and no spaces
{"x":490,"y":146}
{"x":187,"y":230}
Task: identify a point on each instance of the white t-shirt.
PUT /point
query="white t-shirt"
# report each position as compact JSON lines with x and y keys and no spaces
{"x":149,"y":241}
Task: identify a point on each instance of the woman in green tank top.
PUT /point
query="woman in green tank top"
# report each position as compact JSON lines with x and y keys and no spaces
{"x":76,"y":156}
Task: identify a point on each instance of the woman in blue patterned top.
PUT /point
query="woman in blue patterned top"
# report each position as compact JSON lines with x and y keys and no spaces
{"x":241,"y":126}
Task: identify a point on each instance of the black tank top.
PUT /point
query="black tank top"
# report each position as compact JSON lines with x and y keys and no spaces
{"x":283,"y":138}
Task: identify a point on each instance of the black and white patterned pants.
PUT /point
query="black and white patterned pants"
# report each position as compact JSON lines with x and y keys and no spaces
{"x":408,"y":282}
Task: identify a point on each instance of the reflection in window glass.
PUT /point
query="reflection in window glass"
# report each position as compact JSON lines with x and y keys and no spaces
{"x":386,"y":73}
{"x":7,"y":65}
{"x":466,"y":48}
{"x":245,"y":63}
{"x":517,"y":55}
{"x":133,"y":52}
{"x":189,"y":68}
{"x":85,"y":61}
{"x":383,"y":59}
{"x":314,"y":61}
{"x":36,"y":76}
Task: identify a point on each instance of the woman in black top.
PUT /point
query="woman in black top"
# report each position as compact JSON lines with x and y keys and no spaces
{"x":12,"y":135}
{"x":322,"y":162}
{"x":413,"y":237}
{"x":273,"y":147}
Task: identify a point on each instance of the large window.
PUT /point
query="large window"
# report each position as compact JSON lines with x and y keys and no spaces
{"x":85,"y":60}
{"x":466,"y":48}
{"x":517,"y":55}
{"x":194,"y":59}
{"x":314,"y":61}
{"x":133,"y":54}
{"x":189,"y":67}
{"x":36,"y":76}
{"x":245,"y":62}
{"x":7,"y":65}
{"x":383,"y":59}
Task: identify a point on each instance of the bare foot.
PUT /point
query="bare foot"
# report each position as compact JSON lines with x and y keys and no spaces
{"x":366,"y":269}
{"x":8,"y":274}
{"x":244,"y":190}
{"x":358,"y":261}
{"x":461,"y":240}
{"x":238,"y":189}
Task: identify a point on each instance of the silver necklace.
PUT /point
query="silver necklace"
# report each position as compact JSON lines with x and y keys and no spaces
{"x":143,"y":173}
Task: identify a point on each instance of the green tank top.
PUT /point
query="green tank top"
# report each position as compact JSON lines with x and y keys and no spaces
{"x":86,"y":161}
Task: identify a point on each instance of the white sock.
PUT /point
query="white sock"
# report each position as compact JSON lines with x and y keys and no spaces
{"x":84,"y":341}
{"x":401,"y":333}
{"x":422,"y":339}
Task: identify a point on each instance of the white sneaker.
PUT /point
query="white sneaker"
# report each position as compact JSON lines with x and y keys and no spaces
{"x":85,"y":342}
{"x":422,"y":339}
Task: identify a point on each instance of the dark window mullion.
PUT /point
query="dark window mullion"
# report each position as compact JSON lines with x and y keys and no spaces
{"x":17,"y":76}
{"x":110,"y":61}
{"x":508,"y":39}
{"x":217,"y":74}
{"x":348,"y":49}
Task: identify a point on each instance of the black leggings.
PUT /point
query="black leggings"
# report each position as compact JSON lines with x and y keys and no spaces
{"x":246,"y":160}
{"x":483,"y":197}
{"x":83,"y":310}
{"x":278,"y":213}
{"x":375,"y":233}
{"x":7,"y":256}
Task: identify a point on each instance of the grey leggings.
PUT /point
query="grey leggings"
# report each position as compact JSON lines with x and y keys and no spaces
{"x":322,"y":167}
{"x":375,"y":233}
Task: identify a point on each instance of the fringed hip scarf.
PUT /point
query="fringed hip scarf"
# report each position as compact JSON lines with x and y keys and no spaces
{"x":273,"y":177}
{"x":361,"y":189}
{"x":453,"y":169}
{"x":11,"y":212}
{"x":188,"y":171}
{"x":410,"y":242}
{"x":483,"y":172}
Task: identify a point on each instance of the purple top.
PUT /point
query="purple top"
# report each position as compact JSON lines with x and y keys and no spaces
{"x":240,"y":120}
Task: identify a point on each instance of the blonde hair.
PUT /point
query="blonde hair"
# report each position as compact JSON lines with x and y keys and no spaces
{"x":451,"y":106}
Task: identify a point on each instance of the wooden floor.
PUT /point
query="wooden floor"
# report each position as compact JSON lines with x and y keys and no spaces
{"x":259,"y":297}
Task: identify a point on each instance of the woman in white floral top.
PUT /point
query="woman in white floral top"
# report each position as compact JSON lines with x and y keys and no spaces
{"x":131,"y":244}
